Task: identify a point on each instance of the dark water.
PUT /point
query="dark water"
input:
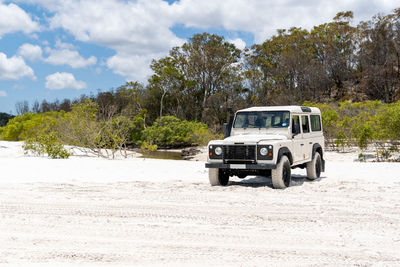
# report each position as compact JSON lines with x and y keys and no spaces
{"x":162,"y":155}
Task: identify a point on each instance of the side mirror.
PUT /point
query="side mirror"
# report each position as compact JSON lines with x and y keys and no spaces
{"x":226,"y":128}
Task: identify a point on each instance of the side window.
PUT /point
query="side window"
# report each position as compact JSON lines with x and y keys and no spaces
{"x":315,"y":123}
{"x":295,"y":124}
{"x":305,"y":124}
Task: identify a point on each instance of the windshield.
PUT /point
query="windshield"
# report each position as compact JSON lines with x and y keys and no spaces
{"x":262,"y":119}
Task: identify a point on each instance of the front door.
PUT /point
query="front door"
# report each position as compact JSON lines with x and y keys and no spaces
{"x":297,"y":140}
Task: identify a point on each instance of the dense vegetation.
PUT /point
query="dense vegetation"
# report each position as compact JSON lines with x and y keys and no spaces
{"x":198,"y":82}
{"x":362,"y":124}
{"x":4,"y":118}
{"x":104,"y":136}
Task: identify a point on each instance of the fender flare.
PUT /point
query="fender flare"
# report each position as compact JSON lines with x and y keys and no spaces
{"x":284,"y":151}
{"x":317,"y":148}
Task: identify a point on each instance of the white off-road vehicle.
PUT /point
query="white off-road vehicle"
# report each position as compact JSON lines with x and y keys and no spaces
{"x":268,"y":141}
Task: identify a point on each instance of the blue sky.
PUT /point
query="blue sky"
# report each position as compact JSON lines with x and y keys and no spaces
{"x":56,"y":49}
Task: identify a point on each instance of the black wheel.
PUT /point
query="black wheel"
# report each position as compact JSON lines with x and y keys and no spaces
{"x":218,"y":177}
{"x":314,"y":167}
{"x":282,"y":175}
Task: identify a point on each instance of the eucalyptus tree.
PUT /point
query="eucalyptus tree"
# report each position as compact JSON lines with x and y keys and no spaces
{"x":204,"y":66}
{"x":379,"y":57}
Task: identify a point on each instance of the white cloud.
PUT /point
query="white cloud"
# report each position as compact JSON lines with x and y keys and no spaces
{"x":61,"y":45}
{"x":132,"y":67}
{"x":138,"y":30}
{"x":3,"y":93}
{"x":141,"y":26}
{"x":239,"y":43}
{"x":63,"y":80}
{"x":13,"y":19}
{"x":14,"y":68}
{"x":63,"y":55}
{"x":263,"y":18}
{"x":68,"y":57}
{"x":31,"y":52}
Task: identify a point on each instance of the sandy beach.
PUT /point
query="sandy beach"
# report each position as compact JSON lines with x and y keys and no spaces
{"x":135,"y":211}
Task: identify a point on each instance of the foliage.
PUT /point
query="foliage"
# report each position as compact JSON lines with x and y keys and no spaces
{"x":335,"y":66}
{"x":137,"y":127}
{"x":25,"y":126}
{"x":47,"y":144}
{"x":80,"y":127}
{"x":170,"y":131}
{"x":362,"y":124}
{"x":148,"y":146}
{"x":115,"y":134}
{"x":185,"y":82}
{"x":42,"y":136}
{"x":4,"y":118}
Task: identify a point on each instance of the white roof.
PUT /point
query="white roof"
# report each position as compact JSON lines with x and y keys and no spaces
{"x":282,"y":108}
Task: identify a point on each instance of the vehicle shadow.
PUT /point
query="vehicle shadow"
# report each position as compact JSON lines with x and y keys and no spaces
{"x":258,"y":181}
{"x":261,"y":181}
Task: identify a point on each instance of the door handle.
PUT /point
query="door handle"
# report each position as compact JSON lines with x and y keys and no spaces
{"x":302,"y":144}
{"x":310,"y":143}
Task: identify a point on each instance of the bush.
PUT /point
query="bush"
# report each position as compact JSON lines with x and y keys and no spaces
{"x":137,"y":127}
{"x":361,"y":124}
{"x":47,"y":144}
{"x":146,"y":146}
{"x":27,"y":125}
{"x":170,"y":132}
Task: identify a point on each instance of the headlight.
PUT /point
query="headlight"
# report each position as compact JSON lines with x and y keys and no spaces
{"x":263,"y":151}
{"x":215,"y":151}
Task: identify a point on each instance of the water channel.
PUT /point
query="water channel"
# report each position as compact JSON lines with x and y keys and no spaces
{"x":174,"y":155}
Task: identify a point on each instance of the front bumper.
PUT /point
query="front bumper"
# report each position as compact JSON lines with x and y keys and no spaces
{"x":258,"y":166}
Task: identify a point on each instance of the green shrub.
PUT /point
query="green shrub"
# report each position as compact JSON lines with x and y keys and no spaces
{"x":170,"y":131}
{"x":26,"y":126}
{"x":148,"y":146}
{"x":138,"y":125}
{"x":46,"y":144}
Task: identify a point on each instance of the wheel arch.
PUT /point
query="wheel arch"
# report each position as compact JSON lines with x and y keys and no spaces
{"x":317,"y":148}
{"x":284,"y":151}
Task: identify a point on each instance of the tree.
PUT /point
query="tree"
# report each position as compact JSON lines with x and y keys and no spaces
{"x":116,"y":134}
{"x":22,"y":107}
{"x":81,"y":128}
{"x":36,"y":107}
{"x":186,"y":79}
{"x":209,"y":60}
{"x":334,"y":46}
{"x":379,"y":57}
{"x":4,"y":118}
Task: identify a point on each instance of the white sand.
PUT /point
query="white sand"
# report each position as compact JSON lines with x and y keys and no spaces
{"x":96,"y":212}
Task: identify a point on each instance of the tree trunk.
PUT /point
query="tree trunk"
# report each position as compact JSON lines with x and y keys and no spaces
{"x":204,"y":106}
{"x":161,"y":105}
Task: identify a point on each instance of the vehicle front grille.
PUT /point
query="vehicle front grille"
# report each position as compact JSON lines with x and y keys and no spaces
{"x":240,"y":152}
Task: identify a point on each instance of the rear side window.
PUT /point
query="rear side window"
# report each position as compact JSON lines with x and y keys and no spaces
{"x":315,"y":123}
{"x":305,"y":125}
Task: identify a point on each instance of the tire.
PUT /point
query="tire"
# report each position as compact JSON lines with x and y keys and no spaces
{"x":281,"y":176}
{"x":242,"y":176}
{"x":314,"y":167}
{"x":217,"y":177}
